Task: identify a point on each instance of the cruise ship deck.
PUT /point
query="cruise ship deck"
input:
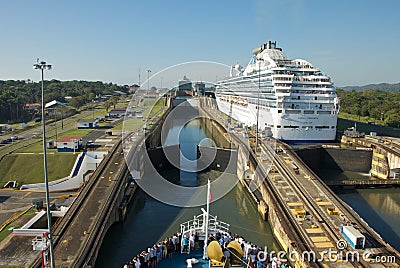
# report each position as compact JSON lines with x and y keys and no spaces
{"x":179,"y":260}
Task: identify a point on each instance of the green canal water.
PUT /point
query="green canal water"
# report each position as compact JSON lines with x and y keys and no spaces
{"x":149,"y":221}
{"x":379,"y":207}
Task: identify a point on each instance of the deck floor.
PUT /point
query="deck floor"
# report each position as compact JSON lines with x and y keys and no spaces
{"x":178,"y":260}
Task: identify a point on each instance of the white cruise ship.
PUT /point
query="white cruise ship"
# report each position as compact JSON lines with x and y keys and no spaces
{"x":297,"y":102}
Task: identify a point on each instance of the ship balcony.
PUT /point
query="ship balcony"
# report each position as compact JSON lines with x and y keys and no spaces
{"x":285,"y":75}
{"x":312,"y":86}
{"x":306,"y":100}
{"x":300,"y":81}
{"x":308,"y":109}
{"x":312,"y":95}
{"x":282,"y":86}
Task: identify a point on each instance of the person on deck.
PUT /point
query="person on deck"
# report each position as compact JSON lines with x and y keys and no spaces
{"x":185,"y":243}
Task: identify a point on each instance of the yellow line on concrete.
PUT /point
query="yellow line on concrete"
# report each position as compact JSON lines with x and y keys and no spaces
{"x":319,"y":239}
{"x":324,"y":203}
{"x":314,"y":231}
{"x":294,"y":204}
{"x":324,"y":245}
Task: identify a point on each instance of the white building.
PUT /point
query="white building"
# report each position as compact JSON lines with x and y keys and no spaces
{"x":69,"y":144}
{"x":88,"y":123}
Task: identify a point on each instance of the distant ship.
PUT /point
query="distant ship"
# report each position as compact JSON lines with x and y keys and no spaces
{"x":297,"y":101}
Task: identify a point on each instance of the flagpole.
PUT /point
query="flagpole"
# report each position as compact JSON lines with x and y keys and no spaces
{"x":206,"y":220}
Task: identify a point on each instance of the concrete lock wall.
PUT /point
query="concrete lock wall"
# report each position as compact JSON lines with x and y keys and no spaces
{"x":225,"y":160}
{"x":281,"y":230}
{"x":337,"y":158}
{"x":158,"y":156}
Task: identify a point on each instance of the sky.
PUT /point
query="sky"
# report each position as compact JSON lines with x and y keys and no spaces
{"x":354,"y":42}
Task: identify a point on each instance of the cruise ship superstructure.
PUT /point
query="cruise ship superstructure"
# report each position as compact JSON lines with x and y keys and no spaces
{"x":297,"y":102}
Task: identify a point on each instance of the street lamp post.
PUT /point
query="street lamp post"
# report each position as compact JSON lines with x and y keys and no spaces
{"x":148,"y":84}
{"x":148,"y":80}
{"x":42,"y":65}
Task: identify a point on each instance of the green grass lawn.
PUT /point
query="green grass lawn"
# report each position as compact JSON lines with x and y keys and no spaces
{"x":4,"y":234}
{"x":130,"y":124}
{"x":158,"y":107}
{"x":34,"y":148}
{"x":75,"y":132}
{"x":364,"y":119}
{"x":29,"y":168}
{"x":97,"y":112}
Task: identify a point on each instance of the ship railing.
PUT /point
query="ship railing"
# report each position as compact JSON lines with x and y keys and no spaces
{"x":196,"y":225}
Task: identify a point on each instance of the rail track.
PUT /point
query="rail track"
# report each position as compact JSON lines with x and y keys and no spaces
{"x":317,"y":211}
{"x":372,"y":237}
{"x":305,"y":197}
{"x":302,"y":243}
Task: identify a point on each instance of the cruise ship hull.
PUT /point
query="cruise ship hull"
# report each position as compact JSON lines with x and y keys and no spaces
{"x":286,"y":125}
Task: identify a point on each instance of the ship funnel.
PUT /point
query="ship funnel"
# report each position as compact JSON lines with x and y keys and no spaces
{"x":257,"y":50}
{"x":268,"y":45}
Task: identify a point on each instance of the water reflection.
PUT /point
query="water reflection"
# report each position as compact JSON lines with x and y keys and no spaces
{"x":150,"y":221}
{"x":379,"y":207}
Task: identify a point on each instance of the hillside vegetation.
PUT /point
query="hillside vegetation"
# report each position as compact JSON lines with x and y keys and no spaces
{"x":395,"y":88}
{"x":377,"y":105}
{"x":15,"y":94}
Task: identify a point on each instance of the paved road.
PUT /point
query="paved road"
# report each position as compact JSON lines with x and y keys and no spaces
{"x":28,"y":135}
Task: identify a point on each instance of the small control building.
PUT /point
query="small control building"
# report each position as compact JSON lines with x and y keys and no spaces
{"x":69,"y":144}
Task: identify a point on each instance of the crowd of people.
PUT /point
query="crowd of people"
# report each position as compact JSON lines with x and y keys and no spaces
{"x":162,"y":250}
{"x":254,"y":257}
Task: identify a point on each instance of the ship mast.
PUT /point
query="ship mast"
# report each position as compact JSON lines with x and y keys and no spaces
{"x":206,"y":217}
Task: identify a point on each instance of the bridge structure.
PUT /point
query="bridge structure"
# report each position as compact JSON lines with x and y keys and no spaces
{"x":385,"y":158}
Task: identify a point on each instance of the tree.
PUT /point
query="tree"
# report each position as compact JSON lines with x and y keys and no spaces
{"x":392,"y":117}
{"x":113,"y":100}
{"x":76,"y":102}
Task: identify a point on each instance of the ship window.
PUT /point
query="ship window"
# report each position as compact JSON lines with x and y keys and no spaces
{"x":316,"y":98}
{"x":279,"y":111}
{"x":323,"y":112}
{"x":298,"y":97}
{"x":332,"y":126}
{"x":278,"y":126}
{"x":291,"y":126}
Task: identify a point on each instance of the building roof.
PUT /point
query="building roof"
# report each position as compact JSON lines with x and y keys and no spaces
{"x":32,"y":105}
{"x":69,"y":138}
{"x":54,"y":102}
{"x":119,"y":92}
